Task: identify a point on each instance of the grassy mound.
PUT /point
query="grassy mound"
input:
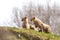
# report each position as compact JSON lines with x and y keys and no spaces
{"x":28,"y":34}
{"x":9,"y":33}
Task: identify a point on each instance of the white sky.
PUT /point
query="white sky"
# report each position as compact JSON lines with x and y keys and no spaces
{"x":6,"y":7}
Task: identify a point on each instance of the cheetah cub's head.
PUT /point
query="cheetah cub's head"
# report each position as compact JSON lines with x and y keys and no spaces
{"x":24,"y":19}
{"x":33,"y":18}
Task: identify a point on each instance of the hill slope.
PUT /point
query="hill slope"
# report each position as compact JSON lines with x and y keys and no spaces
{"x":9,"y":33}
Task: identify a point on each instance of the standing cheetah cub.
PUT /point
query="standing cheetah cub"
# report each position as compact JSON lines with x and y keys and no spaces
{"x":44,"y":27}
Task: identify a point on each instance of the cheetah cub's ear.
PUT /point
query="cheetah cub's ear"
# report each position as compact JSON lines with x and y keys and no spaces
{"x":33,"y":17}
{"x":25,"y":17}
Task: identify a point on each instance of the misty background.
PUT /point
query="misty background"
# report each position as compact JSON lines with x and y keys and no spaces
{"x":11,"y":12}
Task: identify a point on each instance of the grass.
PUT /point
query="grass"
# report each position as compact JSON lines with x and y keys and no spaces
{"x":28,"y":34}
{"x":12,"y":33}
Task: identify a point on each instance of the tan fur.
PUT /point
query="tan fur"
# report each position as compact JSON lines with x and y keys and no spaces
{"x":26,"y":24}
{"x":38,"y":23}
{"x":32,"y":27}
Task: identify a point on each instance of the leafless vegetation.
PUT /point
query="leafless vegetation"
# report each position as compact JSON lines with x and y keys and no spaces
{"x":49,"y":15}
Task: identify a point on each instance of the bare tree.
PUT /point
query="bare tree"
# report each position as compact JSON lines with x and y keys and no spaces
{"x":49,"y":15}
{"x":17,"y":16}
